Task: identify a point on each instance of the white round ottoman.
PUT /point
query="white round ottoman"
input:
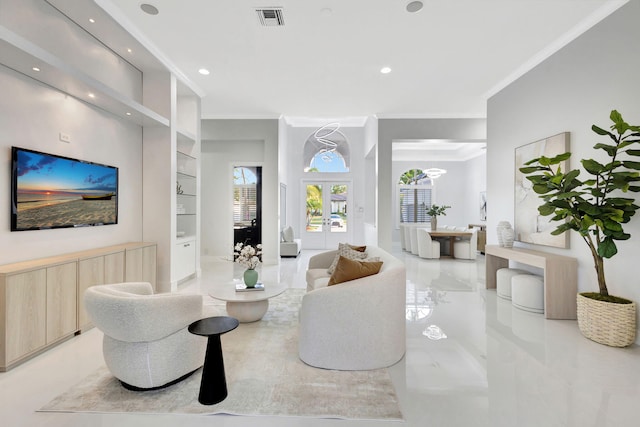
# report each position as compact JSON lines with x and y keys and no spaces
{"x":527,"y":292}
{"x":503,"y":281}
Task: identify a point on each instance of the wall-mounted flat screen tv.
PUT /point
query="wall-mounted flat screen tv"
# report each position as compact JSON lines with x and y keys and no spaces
{"x":50,"y":191}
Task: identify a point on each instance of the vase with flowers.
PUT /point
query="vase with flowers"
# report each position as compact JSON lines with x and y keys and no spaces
{"x":248,"y":256}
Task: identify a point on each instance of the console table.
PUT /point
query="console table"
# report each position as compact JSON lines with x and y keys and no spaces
{"x":560,"y":276}
{"x":41,"y":300}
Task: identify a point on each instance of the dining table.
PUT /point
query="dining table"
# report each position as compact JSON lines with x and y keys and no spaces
{"x":452,"y":235}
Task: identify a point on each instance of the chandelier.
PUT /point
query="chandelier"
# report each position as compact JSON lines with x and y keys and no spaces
{"x":322,"y":134}
{"x":434,"y":173}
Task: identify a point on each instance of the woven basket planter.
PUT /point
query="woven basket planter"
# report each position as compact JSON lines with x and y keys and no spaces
{"x":606,"y":322}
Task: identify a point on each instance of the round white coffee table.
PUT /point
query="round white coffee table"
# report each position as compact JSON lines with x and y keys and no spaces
{"x":247,"y":306}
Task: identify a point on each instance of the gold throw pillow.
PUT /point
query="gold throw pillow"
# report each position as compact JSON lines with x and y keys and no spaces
{"x":347,"y":269}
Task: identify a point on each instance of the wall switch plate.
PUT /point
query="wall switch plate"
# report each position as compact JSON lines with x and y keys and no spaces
{"x":65,"y":137}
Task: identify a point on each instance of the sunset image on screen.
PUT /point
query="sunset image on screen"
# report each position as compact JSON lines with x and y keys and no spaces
{"x":53,"y":191}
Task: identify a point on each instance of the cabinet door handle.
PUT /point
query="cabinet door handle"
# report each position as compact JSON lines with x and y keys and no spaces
{"x":186,"y":245}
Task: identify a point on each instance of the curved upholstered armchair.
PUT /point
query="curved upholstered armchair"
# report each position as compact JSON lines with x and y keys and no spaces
{"x":466,"y":248}
{"x":407,"y":236}
{"x":413,"y":235}
{"x":427,"y":247}
{"x":146,"y":343}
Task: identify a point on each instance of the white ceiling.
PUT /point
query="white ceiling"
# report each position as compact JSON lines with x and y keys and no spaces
{"x":446,"y":60}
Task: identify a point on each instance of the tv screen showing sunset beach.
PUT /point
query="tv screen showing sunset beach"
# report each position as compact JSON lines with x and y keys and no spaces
{"x":50,"y":191}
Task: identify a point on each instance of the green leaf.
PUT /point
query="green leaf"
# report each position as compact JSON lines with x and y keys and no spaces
{"x":562,"y":228}
{"x":546,"y":209}
{"x":572,"y":174}
{"x":592,"y":166}
{"x":538,"y":179}
{"x":560,"y":158}
{"x":544,"y":161}
{"x":556,"y":179}
{"x":532,"y":169}
{"x":607,"y":248}
{"x":631,"y":165}
{"x":612,"y":225}
{"x":587,"y":221}
{"x":601,"y":131}
{"x":532,"y":161}
{"x":633,"y":152}
{"x":619,"y":202}
{"x":627,"y":143}
{"x":619,"y":124}
{"x":541,"y":189}
{"x":621,"y":236}
{"x":568,"y":195}
{"x":610,"y":149}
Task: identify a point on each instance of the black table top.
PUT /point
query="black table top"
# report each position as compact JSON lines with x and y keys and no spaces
{"x":213,"y":325}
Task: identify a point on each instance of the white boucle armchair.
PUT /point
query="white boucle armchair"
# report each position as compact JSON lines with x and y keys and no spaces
{"x":146,"y":343}
{"x":355,"y":325}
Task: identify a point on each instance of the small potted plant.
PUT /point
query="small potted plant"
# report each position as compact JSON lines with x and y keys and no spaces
{"x":433,"y":211}
{"x":596,"y":209}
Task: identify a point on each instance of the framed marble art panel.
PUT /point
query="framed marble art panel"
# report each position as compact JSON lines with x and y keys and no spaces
{"x":530,"y":226}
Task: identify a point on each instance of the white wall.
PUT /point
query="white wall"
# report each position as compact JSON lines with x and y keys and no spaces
{"x":225,"y":142}
{"x":370,"y":181}
{"x":570,"y":91}
{"x":476,"y":175}
{"x":32,"y":116}
{"x":283,"y":174}
{"x":218,"y":159}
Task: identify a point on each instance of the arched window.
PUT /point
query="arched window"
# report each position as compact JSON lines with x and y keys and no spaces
{"x":326,"y":150}
{"x":414,"y":193}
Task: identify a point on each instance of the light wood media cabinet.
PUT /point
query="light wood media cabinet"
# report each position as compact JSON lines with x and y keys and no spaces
{"x":41,"y":301}
{"x":560,"y":276}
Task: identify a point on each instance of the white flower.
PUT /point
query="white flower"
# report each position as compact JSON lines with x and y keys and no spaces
{"x":248,"y":255}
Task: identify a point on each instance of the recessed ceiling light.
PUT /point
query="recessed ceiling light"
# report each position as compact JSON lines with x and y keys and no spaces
{"x":128,"y":113}
{"x":385,"y":70}
{"x":204,"y":71}
{"x":35,"y":68}
{"x":129,"y":50}
{"x":93,"y":21}
{"x":414,"y":6}
{"x":91,"y":95}
{"x":149,"y":8}
{"x":326,"y":11}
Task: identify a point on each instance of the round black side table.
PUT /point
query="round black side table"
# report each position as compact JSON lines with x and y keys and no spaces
{"x":213,"y":386}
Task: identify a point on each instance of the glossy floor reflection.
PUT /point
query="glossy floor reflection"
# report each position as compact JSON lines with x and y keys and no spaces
{"x":472,"y":360}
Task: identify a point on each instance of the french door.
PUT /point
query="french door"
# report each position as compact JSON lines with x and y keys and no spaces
{"x":326,"y":214}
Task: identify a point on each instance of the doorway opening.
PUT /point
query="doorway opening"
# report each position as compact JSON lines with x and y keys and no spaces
{"x":247,"y":205}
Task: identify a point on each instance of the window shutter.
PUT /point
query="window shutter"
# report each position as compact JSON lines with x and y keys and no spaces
{"x":244,"y":203}
{"x":414,"y":201}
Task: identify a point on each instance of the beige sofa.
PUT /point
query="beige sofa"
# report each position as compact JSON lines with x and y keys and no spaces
{"x":355,"y":325}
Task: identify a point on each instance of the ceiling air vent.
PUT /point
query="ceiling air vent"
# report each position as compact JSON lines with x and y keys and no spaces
{"x":271,"y":17}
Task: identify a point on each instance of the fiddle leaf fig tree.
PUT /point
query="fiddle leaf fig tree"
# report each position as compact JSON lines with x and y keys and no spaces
{"x":596,"y":207}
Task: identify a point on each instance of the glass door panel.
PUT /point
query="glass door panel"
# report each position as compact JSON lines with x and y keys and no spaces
{"x":314,"y":211}
{"x":326,"y":215}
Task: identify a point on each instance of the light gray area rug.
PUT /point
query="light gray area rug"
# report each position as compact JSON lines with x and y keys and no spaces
{"x":264,"y":377}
